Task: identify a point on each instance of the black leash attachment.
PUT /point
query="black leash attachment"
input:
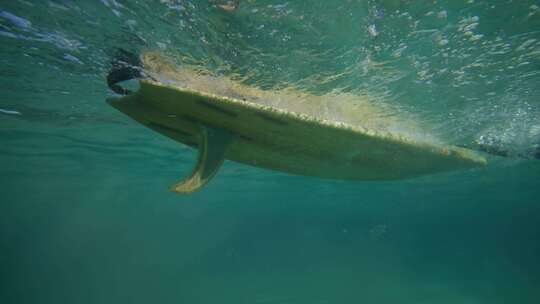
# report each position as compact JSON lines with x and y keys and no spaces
{"x":125,"y":65}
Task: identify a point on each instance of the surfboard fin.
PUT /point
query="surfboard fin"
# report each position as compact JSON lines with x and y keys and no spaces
{"x":212,"y":147}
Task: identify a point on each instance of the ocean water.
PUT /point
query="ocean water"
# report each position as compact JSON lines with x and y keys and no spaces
{"x":85,"y":211}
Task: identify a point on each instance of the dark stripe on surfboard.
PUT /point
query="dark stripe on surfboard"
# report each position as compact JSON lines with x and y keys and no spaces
{"x":188,"y":138}
{"x":190,"y":118}
{"x":246,"y":138}
{"x":216,"y":108}
{"x":164,"y":127}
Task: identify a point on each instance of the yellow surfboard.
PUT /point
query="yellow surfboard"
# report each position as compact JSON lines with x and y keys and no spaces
{"x":264,"y":136}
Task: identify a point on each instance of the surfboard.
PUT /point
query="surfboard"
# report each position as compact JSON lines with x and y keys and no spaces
{"x":260,"y":135}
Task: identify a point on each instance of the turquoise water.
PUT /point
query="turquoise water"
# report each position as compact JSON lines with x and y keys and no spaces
{"x":86,"y":217}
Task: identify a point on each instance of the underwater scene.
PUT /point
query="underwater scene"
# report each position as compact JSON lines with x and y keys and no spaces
{"x":270,"y":152}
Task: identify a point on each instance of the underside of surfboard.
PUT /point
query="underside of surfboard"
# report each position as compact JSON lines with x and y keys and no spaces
{"x":259,"y":135}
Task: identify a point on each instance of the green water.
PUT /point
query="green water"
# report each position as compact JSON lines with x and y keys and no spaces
{"x":86,"y":217}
